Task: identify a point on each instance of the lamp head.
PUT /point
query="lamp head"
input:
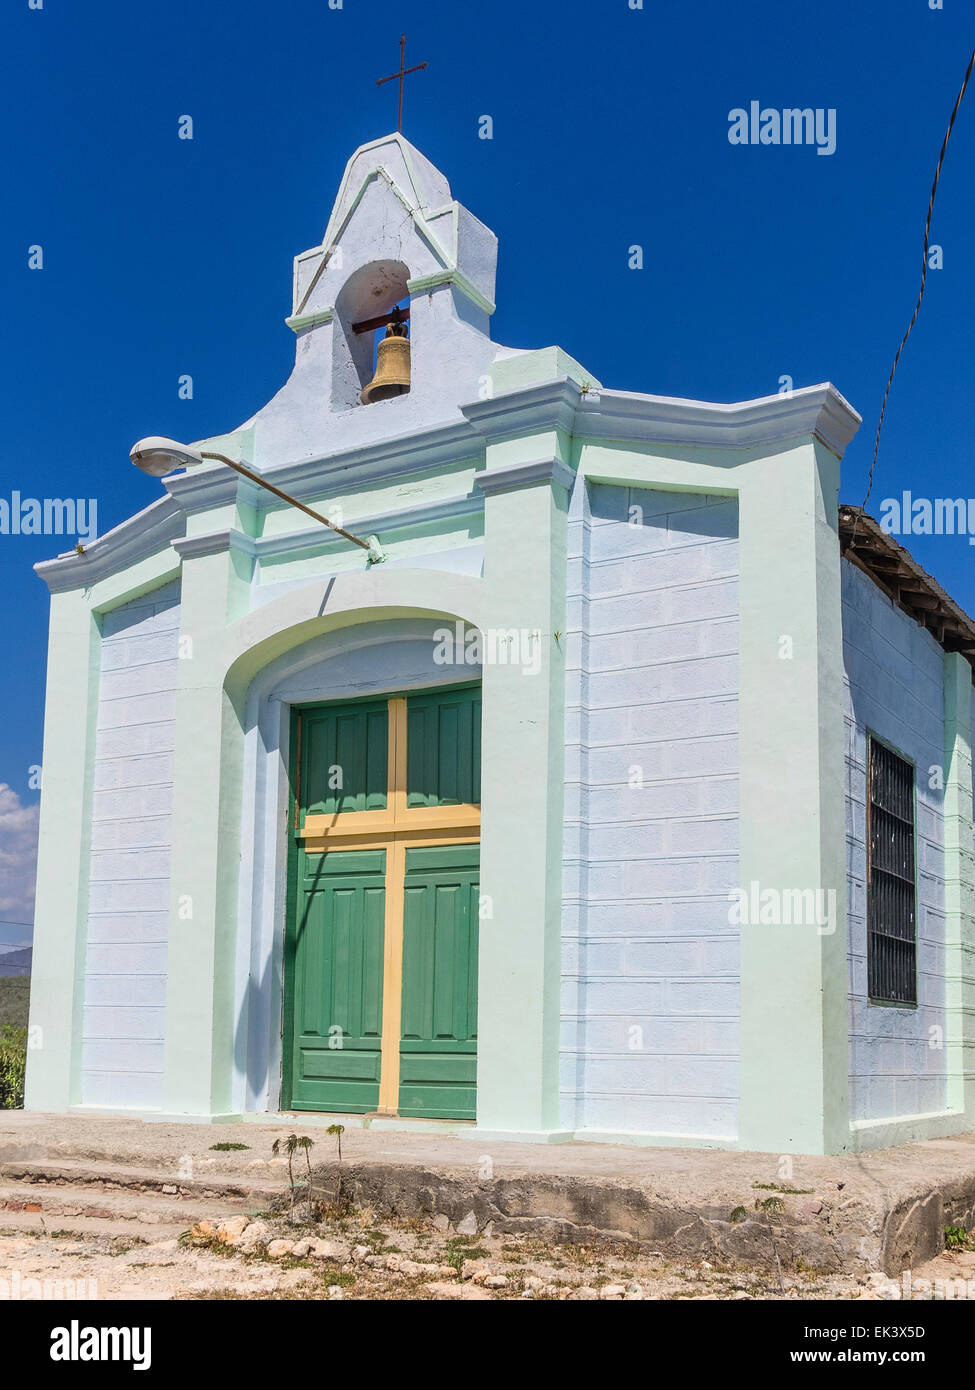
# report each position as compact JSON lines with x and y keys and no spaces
{"x":158,"y":456}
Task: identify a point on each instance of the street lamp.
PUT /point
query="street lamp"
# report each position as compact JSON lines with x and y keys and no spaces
{"x":158,"y":456}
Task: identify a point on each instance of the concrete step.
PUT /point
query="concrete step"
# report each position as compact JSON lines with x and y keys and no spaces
{"x":133,"y":1176}
{"x":98,"y":1196}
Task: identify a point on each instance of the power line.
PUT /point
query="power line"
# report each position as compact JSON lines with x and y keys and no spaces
{"x":924,"y":277}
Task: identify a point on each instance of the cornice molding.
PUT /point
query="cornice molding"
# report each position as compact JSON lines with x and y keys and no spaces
{"x":818,"y":412}
{"x":151,"y":530}
{"x":518,"y":475}
{"x":214,"y":543}
{"x":547,"y":405}
{"x":201,"y":489}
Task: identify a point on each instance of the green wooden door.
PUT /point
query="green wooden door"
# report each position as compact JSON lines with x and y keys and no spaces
{"x":337,"y":971}
{"x":335,"y":942}
{"x":438,"y":1048}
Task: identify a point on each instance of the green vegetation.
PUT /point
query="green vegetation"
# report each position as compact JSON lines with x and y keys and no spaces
{"x":461,"y":1248}
{"x":14,"y":997}
{"x":789,"y":1191}
{"x":957,"y":1238}
{"x":13,"y":1064}
{"x":227,"y":1148}
{"x":296,"y":1144}
{"x":337,"y":1131}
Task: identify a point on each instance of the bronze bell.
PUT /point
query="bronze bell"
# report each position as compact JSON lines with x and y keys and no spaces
{"x":392,"y":367}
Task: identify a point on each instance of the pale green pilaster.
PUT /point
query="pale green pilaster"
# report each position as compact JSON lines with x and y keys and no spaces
{"x":521,"y":796}
{"x":206,"y":837}
{"x":794,"y":1028}
{"x":959,"y":889}
{"x":61,"y":915}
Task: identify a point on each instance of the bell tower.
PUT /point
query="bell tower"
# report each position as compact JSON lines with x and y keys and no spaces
{"x":391,"y":312}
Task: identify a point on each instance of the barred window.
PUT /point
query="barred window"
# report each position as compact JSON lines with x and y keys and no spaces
{"x":891,"y":907}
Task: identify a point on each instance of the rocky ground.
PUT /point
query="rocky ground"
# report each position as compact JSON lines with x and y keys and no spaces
{"x":355,"y":1255}
{"x":187,"y":1211}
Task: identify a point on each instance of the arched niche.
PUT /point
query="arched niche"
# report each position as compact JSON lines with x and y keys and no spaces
{"x":369,"y":292}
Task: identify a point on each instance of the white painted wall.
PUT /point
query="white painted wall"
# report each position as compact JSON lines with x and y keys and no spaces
{"x":650,"y":970}
{"x":125,"y":972}
{"x":894,"y":689}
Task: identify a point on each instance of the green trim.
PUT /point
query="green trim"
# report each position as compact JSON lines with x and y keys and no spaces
{"x":794,"y":1049}
{"x":450,"y":276}
{"x":296,"y":322}
{"x":57,"y":993}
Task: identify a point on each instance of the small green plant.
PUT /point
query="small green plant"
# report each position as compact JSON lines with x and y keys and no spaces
{"x":738,"y":1215}
{"x":337,"y":1131}
{"x":13,"y":1065}
{"x":292,"y":1145}
{"x":460,"y":1249}
{"x":343,"y":1201}
{"x":227,"y":1148}
{"x":956,"y":1238}
{"x":770,"y":1204}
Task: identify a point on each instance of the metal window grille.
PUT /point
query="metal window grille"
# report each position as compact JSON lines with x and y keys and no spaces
{"x":891,"y":905}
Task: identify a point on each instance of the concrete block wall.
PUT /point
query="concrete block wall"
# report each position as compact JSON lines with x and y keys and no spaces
{"x":894,"y":690}
{"x":125,"y":973}
{"x":650,"y":959}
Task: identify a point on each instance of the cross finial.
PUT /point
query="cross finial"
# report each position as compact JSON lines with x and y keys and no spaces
{"x":403,"y":73}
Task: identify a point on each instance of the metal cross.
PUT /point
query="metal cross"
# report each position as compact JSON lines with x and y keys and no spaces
{"x":403,"y":73}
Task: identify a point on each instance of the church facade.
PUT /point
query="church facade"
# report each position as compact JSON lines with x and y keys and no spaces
{"x":628,"y":797}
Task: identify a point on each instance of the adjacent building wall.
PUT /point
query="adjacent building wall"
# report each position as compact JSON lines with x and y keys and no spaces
{"x":125,"y":972}
{"x":895,"y":691}
{"x":651,"y":991}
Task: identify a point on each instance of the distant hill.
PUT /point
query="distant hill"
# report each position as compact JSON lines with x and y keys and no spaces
{"x":16,"y":962}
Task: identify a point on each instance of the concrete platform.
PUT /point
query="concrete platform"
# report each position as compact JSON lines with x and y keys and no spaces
{"x":883,"y":1210}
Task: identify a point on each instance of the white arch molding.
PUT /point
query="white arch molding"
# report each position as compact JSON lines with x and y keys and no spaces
{"x":370,"y":650}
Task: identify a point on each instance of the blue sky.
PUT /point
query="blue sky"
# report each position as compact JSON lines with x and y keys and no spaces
{"x":164,"y":256}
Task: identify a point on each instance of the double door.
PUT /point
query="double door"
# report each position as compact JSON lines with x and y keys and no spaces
{"x":381,"y":946}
